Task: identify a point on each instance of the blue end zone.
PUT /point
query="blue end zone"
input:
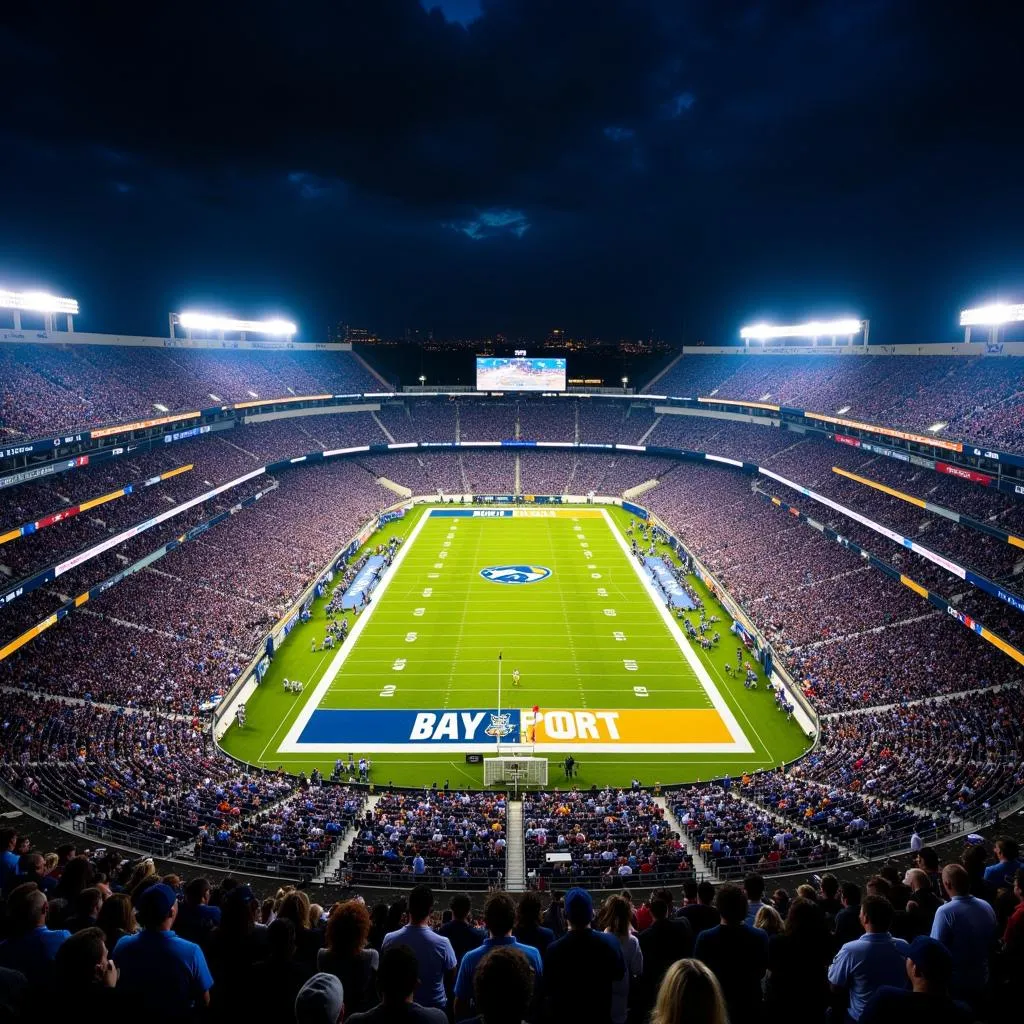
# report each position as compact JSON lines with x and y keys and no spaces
{"x":357,"y":728}
{"x":471,"y":513}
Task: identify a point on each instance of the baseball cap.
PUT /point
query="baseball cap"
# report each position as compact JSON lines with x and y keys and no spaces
{"x":157,"y":901}
{"x":579,"y":907}
{"x":320,"y":1000}
{"x":241,"y":894}
{"x":930,"y":957}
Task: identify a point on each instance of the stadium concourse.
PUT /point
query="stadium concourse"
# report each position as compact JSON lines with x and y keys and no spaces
{"x":105,"y":714}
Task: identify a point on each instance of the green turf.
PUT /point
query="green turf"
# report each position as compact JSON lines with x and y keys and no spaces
{"x":555,"y":632}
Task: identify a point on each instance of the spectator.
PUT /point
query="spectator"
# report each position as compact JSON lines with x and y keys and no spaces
{"x":966,"y":926}
{"x":829,"y":899}
{"x":554,"y":916}
{"x":32,"y":868}
{"x":795,"y":988}
{"x":528,"y":930}
{"x":348,"y":957}
{"x":689,"y":994}
{"x":273,"y":984}
{"x":295,"y":907}
{"x":434,"y":952}
{"x":32,"y":947}
{"x":581,"y":953}
{"x":85,"y":980}
{"x":616,"y":920}
{"x":847,"y":923}
{"x":85,"y":910}
{"x":921,"y":904}
{"x":863,"y":966}
{"x":768,"y":920}
{"x":116,"y":918}
{"x":196,"y":918}
{"x":928,"y":861}
{"x":927,"y":1001}
{"x":458,"y":931}
{"x":753,"y":886}
{"x":234,"y":946}
{"x":499,"y":916}
{"x":736,"y":953}
{"x":662,"y":944}
{"x":503,"y":985}
{"x":1002,"y":873}
{"x":396,"y":983}
{"x":164,"y":977}
{"x":320,"y":1001}
{"x":699,"y":910}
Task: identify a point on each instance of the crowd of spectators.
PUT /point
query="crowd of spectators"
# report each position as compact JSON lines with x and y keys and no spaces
{"x":612,"y":837}
{"x":104,"y":937}
{"x":444,"y":838}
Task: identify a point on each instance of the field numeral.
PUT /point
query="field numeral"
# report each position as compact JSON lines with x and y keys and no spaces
{"x":610,"y":612}
{"x":439,"y":565}
{"x":388,"y":691}
{"x":588,"y":554}
{"x":417,"y":612}
{"x":618,"y":635}
{"x":428,"y":591}
{"x":640,"y":691}
{"x":602,"y":592}
{"x":399,"y":664}
{"x":411,"y":637}
{"x":595,"y":575}
{"x":629,"y":664}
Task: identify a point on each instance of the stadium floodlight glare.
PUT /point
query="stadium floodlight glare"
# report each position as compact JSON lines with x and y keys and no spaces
{"x":993,"y":315}
{"x":37,"y":302}
{"x":812,"y":329}
{"x":210,"y":322}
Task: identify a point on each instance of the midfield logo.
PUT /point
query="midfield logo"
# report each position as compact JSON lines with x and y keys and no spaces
{"x":515,"y":573}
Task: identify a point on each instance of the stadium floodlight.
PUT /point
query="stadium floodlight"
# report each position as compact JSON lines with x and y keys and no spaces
{"x":813,"y":329}
{"x":210,"y":322}
{"x":992,"y":315}
{"x":37,"y":302}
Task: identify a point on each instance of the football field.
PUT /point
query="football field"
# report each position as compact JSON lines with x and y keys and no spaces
{"x":548,"y":594}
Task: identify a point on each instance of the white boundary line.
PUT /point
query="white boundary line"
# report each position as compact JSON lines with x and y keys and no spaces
{"x":739,"y":745}
{"x":290,"y":744}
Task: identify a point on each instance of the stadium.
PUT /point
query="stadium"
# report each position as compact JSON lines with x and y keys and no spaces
{"x":469,"y":557}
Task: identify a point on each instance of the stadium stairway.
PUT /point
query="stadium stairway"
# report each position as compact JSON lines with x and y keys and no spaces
{"x":515,"y":853}
{"x":699,"y":864}
{"x":338,"y":857}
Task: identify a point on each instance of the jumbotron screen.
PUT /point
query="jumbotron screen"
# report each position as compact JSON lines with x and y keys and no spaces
{"x":519,"y":374}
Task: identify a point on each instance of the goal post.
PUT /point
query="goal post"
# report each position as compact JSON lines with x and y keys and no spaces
{"x":517,"y":771}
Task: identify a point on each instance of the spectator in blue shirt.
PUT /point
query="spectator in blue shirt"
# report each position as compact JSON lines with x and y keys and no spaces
{"x":1001,"y":874}
{"x":32,"y":947}
{"x":419,"y":866}
{"x":164,"y":976}
{"x":8,"y":858}
{"x":196,"y":918}
{"x":966,"y":926}
{"x":434,"y":952}
{"x":736,"y":953}
{"x":863,"y":966}
{"x":499,"y":916}
{"x":753,"y":886}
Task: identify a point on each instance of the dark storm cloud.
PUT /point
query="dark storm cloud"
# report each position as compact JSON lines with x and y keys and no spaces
{"x":609,"y":164}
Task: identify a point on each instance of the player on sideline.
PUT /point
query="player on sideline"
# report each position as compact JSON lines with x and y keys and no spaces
{"x":515,"y":677}
{"x":531,"y":735}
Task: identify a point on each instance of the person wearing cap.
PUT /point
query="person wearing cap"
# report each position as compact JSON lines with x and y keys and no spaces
{"x":164,"y":976}
{"x":434,"y":952}
{"x":966,"y":926}
{"x":320,"y":1001}
{"x":928,"y":1001}
{"x":581,"y":968}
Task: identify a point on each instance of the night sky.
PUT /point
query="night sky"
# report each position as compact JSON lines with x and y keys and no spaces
{"x":610,"y":167}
